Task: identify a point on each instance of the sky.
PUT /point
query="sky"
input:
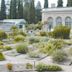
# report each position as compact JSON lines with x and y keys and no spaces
{"x":52,"y":1}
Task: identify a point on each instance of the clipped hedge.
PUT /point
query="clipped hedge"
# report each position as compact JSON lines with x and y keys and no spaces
{"x":43,"y":67}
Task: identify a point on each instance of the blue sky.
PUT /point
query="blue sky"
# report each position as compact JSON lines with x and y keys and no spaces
{"x":51,"y":1}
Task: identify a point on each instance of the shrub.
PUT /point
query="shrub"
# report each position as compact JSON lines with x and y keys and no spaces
{"x":7,"y":48}
{"x":22,"y":49}
{"x":22,"y":33}
{"x":61,"y":32}
{"x":2,"y":57}
{"x":59,"y":56}
{"x":33,"y":55}
{"x":33,"y":40}
{"x":70,"y":51}
{"x":43,"y":67}
{"x":19,"y":38}
{"x":3,"y":35}
{"x":9,"y":66}
{"x":29,"y":66}
{"x":1,"y":43}
{"x":43,"y":33}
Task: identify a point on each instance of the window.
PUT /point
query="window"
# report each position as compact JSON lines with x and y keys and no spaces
{"x":50,"y":23}
{"x":68,"y":21}
{"x":58,"y":21}
{"x":20,"y":26}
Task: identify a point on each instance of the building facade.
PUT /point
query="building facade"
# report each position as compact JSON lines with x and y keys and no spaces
{"x":56,"y":16}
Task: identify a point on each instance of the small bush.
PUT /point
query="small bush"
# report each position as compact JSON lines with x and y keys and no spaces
{"x":43,"y":67}
{"x":70,"y":51}
{"x":19,"y":38}
{"x":9,"y":66}
{"x":22,"y":33}
{"x":43,"y":33}
{"x":33,"y":55}
{"x":1,"y":43}
{"x":3,"y":35}
{"x":61,"y":32}
{"x":22,"y":49}
{"x":2,"y":57}
{"x":33,"y":40}
{"x":59,"y":56}
{"x":29,"y":66}
{"x":7,"y":48}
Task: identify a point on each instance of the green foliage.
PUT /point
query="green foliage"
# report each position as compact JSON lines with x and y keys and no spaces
{"x":22,"y":33}
{"x":59,"y":56}
{"x":2,"y":57}
{"x":61,"y":32}
{"x":43,"y":67}
{"x":3,"y":10}
{"x":20,"y":9}
{"x":42,"y":33}
{"x":69,"y":3}
{"x":33,"y":40}
{"x":46,"y":4}
{"x":60,"y":3}
{"x":70,"y":51}
{"x":3,"y":35}
{"x":33,"y":55}
{"x":19,"y":38}
{"x":7,"y":48}
{"x":13,"y":9}
{"x":29,"y":66}
{"x":1,"y":43}
{"x":22,"y":49}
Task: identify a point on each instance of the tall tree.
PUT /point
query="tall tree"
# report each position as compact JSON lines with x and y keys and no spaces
{"x":32,"y":12}
{"x":20,"y":9}
{"x":3,"y":10}
{"x":60,"y":3}
{"x":26,"y":11}
{"x":45,"y":3}
{"x":38,"y":12}
{"x":69,"y":3}
{"x":13,"y":9}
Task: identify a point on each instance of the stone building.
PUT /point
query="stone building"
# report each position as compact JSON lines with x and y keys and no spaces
{"x":56,"y":16}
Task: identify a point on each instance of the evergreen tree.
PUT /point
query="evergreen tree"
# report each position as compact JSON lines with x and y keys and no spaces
{"x":20,"y":9}
{"x":38,"y":12}
{"x":26,"y":11}
{"x":13,"y":9}
{"x":60,"y":3}
{"x":3,"y":10}
{"x":32,"y":12}
{"x":45,"y":3}
{"x":69,"y":3}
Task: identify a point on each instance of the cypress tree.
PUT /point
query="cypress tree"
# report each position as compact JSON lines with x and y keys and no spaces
{"x":60,"y":3}
{"x":45,"y":3}
{"x":3,"y":10}
{"x":32,"y":12}
{"x":13,"y":10}
{"x":38,"y":12}
{"x":20,"y":9}
{"x":69,"y":3}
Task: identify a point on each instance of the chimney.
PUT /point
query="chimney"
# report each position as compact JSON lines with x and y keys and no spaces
{"x":53,"y":5}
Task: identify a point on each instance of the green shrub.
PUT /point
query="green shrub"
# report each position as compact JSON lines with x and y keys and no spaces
{"x":43,"y":67}
{"x":9,"y":66}
{"x":70,"y":51}
{"x":22,"y":49}
{"x":7,"y":48}
{"x":19,"y":38}
{"x":59,"y":56}
{"x":43,"y":33}
{"x":29,"y":66}
{"x":61,"y":32}
{"x":33,"y":55}
{"x":2,"y":57}
{"x":3,"y":35}
{"x":33,"y":40}
{"x":22,"y":33}
{"x":1,"y":43}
